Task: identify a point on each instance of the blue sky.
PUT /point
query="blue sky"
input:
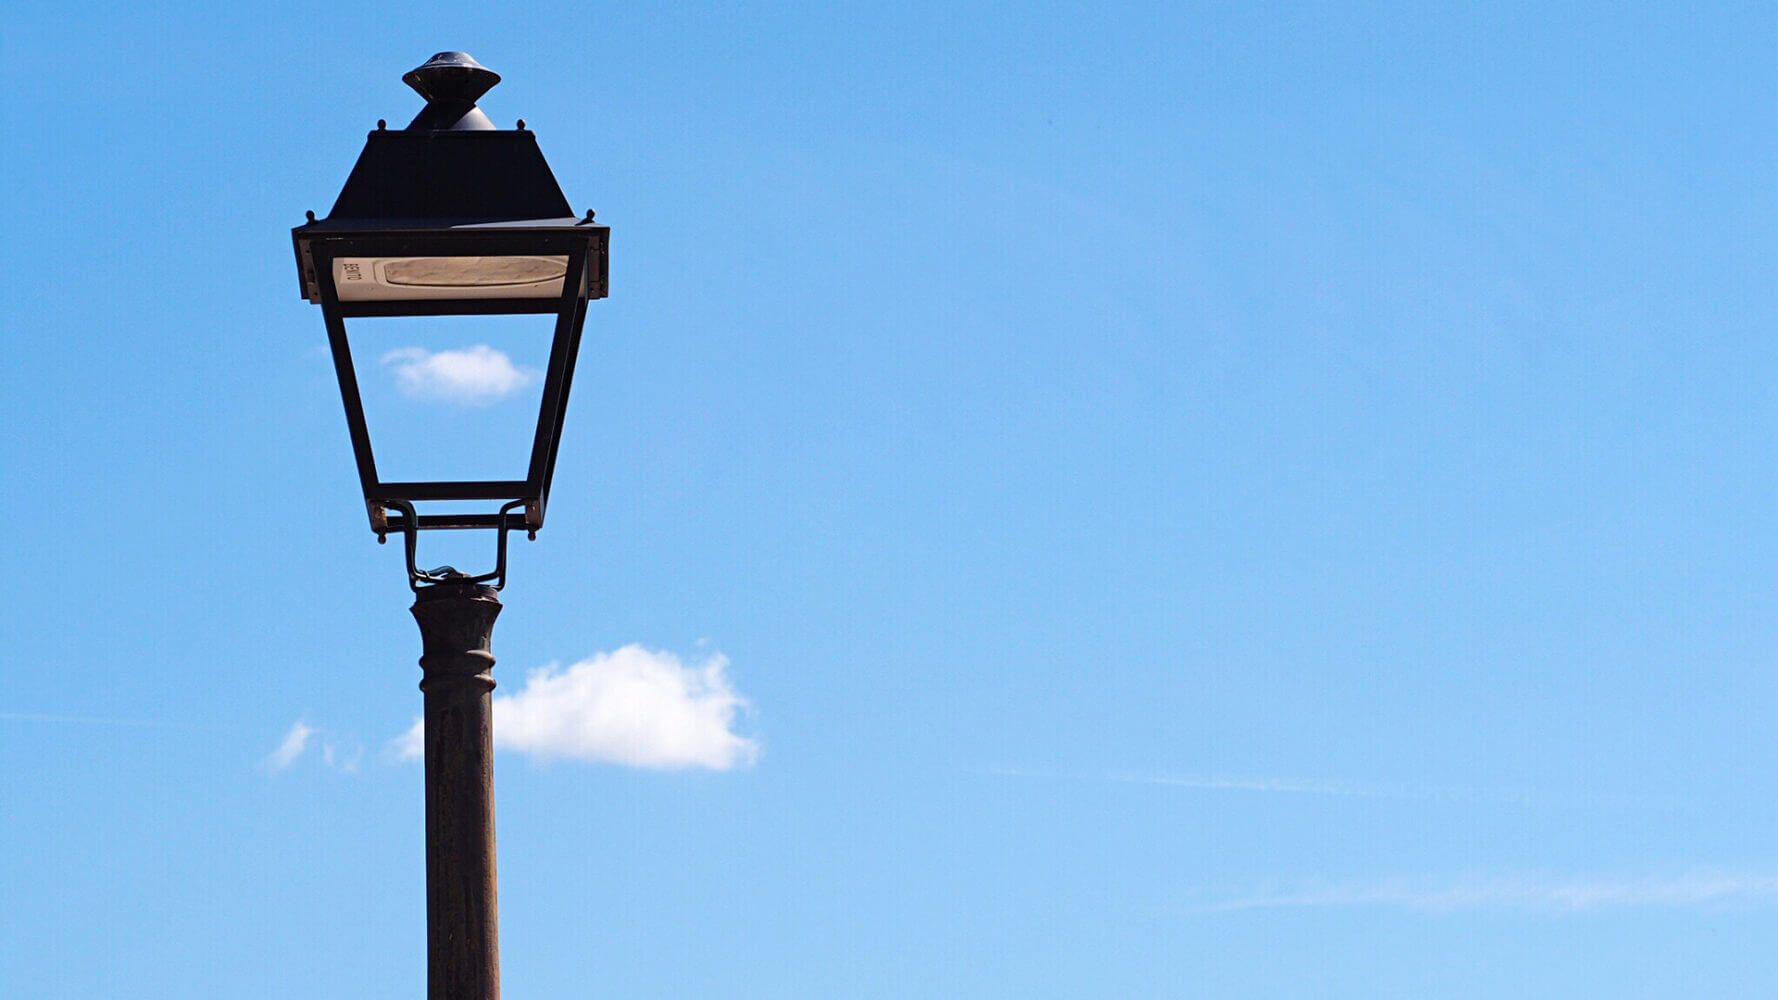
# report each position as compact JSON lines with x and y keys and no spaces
{"x":1163,"y":501}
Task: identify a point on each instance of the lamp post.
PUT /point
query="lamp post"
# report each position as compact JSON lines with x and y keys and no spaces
{"x":454,"y":217}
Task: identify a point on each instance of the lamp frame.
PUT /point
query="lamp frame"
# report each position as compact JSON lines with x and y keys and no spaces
{"x":390,"y":504}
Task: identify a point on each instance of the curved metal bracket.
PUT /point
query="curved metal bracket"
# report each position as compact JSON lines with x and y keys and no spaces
{"x":417,"y":578}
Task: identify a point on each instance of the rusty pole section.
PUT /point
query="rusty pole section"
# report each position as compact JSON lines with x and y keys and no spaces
{"x":462,"y":928}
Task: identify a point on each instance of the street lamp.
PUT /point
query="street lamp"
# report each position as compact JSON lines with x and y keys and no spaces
{"x":454,"y":217}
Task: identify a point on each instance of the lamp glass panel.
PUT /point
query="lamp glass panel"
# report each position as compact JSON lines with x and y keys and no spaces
{"x":409,"y":279}
{"x":451,"y":398}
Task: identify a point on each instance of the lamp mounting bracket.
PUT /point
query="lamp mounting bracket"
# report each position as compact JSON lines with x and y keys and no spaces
{"x":419,"y":579}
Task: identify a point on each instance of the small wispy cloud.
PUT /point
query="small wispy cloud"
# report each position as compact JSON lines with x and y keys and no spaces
{"x":1270,"y":785}
{"x":1248,"y":783}
{"x":295,"y":741}
{"x":1567,"y":894}
{"x":341,"y":757}
{"x":55,"y":718}
{"x":634,"y":706}
{"x":410,"y":745}
{"x":1329,"y":789}
{"x":1323,"y":788}
{"x":472,"y":376}
{"x":337,"y":754}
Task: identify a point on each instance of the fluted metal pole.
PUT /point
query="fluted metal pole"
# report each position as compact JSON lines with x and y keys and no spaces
{"x":462,"y":926}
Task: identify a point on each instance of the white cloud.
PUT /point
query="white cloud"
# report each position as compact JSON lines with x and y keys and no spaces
{"x":341,"y":757}
{"x":336,"y":754}
{"x":473,"y":376}
{"x":1517,"y":892}
{"x":94,"y":720}
{"x":295,"y":742}
{"x":1249,"y":783}
{"x":1290,"y":786}
{"x":633,"y":706}
{"x":410,"y":745}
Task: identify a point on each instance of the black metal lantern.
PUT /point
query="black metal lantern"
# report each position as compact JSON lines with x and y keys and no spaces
{"x":453,"y":217}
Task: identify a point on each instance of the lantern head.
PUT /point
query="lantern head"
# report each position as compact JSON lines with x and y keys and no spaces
{"x":454,"y":217}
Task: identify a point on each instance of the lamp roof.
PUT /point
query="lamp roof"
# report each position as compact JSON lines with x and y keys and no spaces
{"x":443,"y":179}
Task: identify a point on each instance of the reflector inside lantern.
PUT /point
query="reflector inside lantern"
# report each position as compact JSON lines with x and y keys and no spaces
{"x":372,"y":279}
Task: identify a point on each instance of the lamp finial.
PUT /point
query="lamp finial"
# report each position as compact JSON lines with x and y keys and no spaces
{"x":451,"y":83}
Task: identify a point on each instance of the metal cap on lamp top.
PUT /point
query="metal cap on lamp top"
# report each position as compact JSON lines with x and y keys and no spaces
{"x":452,"y":216}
